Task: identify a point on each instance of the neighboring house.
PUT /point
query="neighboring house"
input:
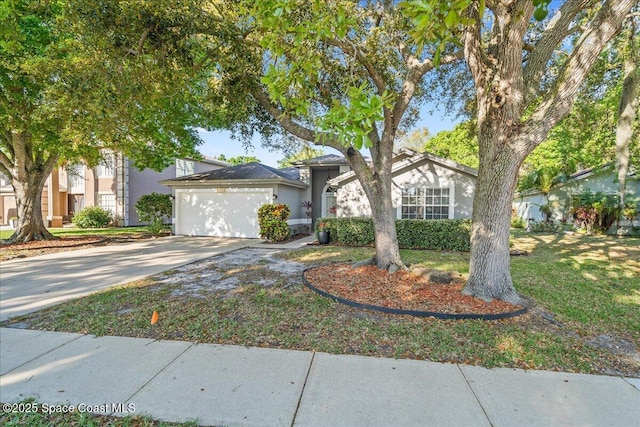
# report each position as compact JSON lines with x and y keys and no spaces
{"x":115,"y":185}
{"x":7,"y":200}
{"x":225,"y":202}
{"x":603,"y":179}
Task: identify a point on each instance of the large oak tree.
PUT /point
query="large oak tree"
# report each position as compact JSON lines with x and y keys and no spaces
{"x":519,"y":98}
{"x":66,"y":95}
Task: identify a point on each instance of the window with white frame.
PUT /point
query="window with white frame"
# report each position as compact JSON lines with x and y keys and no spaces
{"x":75,"y":174}
{"x":185,"y":167}
{"x":107,"y":201}
{"x":106,"y":168}
{"x":425,"y":203}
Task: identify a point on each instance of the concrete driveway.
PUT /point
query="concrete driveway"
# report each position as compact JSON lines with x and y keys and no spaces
{"x":30,"y":284}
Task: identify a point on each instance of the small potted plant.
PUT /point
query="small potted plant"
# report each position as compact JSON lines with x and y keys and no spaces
{"x":323,"y":232}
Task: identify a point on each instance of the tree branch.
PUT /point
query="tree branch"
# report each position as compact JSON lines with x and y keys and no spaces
{"x":471,"y":37}
{"x":559,"y":99}
{"x":6,"y":163}
{"x":353,"y":51}
{"x":556,"y":31}
{"x":418,"y":70}
{"x":143,"y":38}
{"x":289,"y":125}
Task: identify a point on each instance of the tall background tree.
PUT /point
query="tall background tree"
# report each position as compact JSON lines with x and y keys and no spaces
{"x":587,"y":136}
{"x":65,"y":95}
{"x":238,"y":160}
{"x":518,"y":99}
{"x":628,"y":105}
{"x":307,"y":152}
{"x":459,"y":144}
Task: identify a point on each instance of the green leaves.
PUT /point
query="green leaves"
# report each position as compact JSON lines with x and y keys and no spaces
{"x":542,"y":9}
{"x":273,"y":222}
{"x":354,"y":120}
{"x":441,"y":22}
{"x":155,"y":209}
{"x":437,"y":22}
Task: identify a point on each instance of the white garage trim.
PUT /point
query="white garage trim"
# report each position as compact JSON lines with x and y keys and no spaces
{"x":220,"y":212}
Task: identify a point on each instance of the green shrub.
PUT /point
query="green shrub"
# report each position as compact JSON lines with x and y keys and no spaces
{"x":517,"y":222}
{"x":597,"y":212}
{"x":544,"y":227}
{"x":355,"y":231}
{"x":441,"y":234}
{"x":155,"y":209}
{"x":273,"y":222}
{"x":92,"y":217}
{"x":446,"y":234}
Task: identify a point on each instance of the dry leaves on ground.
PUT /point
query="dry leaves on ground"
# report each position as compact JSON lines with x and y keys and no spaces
{"x":401,"y":290}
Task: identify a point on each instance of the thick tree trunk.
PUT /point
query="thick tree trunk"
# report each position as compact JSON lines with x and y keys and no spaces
{"x":376,"y":183}
{"x":29,"y":171}
{"x":384,"y":225}
{"x":489,"y":268}
{"x":30,"y":224}
{"x":627,"y":110}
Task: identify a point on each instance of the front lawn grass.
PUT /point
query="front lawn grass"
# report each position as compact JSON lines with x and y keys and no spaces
{"x":74,"y":232}
{"x":591,"y":286}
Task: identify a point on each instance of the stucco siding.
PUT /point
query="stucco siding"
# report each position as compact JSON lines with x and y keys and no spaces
{"x":353,"y":202}
{"x":603,"y":181}
{"x":8,"y":208}
{"x":293,"y":198}
{"x":143,"y":182}
{"x":528,"y":207}
{"x":146,"y":181}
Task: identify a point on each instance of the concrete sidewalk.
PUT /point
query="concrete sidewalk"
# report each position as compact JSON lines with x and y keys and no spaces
{"x":229,"y":385}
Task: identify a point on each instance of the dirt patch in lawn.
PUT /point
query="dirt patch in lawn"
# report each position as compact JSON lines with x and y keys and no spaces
{"x":228,"y":271}
{"x":402,"y":290}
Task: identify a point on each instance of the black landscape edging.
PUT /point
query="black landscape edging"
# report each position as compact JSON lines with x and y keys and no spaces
{"x":415,"y":313}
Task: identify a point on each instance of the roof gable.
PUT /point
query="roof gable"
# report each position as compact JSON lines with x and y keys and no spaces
{"x":595,"y":172}
{"x":409,"y":159}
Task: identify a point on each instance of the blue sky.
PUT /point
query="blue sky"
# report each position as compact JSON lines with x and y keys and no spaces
{"x":220,"y":142}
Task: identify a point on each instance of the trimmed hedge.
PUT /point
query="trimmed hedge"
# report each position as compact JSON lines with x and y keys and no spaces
{"x":443,"y":234}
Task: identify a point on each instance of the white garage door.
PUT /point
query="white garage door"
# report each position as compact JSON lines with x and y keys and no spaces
{"x":231,"y":212}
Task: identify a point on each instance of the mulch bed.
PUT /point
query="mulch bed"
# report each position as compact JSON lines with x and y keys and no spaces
{"x":402,"y":290}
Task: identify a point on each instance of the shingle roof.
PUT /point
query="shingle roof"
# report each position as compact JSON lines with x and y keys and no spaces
{"x":292,"y":172}
{"x":323,"y":160}
{"x":244,"y":171}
